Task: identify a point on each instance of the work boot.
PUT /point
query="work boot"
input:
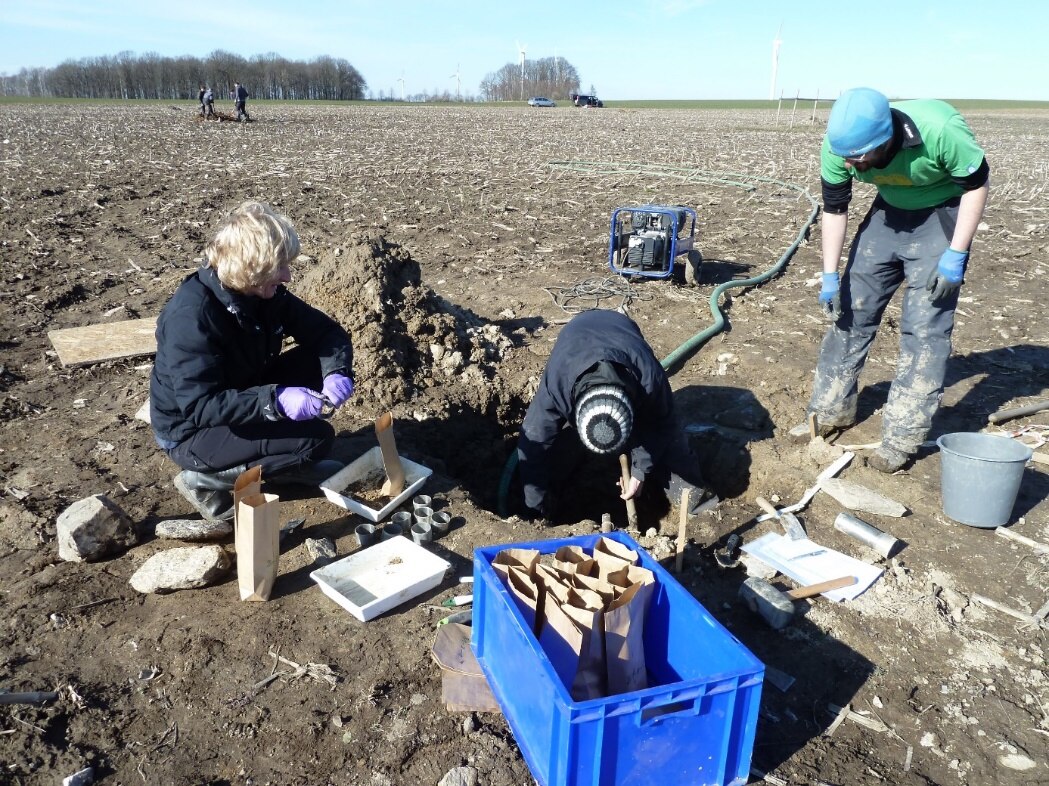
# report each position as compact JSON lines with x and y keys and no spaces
{"x":887,"y":460}
{"x":211,"y":493}
{"x":312,"y":473}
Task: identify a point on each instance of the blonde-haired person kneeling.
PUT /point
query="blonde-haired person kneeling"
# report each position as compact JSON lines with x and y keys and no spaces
{"x":223,"y":397}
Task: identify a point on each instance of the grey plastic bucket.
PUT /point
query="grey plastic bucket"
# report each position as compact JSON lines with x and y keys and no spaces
{"x":980,"y":477}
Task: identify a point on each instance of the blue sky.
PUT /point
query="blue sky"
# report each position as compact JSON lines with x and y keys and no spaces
{"x":626,"y":49}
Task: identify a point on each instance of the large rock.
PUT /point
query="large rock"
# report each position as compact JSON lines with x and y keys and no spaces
{"x":93,"y":528}
{"x":187,"y":567}
{"x":194,"y":530}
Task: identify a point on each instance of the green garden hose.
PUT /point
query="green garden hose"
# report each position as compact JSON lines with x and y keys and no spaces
{"x":689,"y":347}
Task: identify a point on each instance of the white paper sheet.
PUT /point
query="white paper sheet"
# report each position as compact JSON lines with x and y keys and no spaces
{"x":807,"y":562}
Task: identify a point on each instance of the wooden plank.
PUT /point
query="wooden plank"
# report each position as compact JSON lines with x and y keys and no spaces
{"x":81,"y":346}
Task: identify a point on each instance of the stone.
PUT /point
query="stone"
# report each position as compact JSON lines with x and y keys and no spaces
{"x":459,"y":776}
{"x":143,"y":412}
{"x":821,"y":452}
{"x":93,"y":528}
{"x":321,"y":550}
{"x":194,"y":530}
{"x":186,"y":567}
{"x":856,"y":497}
{"x":84,"y":777}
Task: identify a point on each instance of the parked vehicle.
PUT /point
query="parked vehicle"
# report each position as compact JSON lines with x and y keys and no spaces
{"x":540,"y":101}
{"x":585,"y":100}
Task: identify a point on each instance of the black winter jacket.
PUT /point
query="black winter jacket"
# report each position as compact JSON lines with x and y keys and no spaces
{"x":213,"y":349}
{"x":588,"y":338}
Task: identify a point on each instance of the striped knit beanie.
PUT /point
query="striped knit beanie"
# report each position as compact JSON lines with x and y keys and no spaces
{"x":603,"y":418}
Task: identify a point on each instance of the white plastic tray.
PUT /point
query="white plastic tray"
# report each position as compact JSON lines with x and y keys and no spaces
{"x":414,"y":477}
{"x":376,"y":579}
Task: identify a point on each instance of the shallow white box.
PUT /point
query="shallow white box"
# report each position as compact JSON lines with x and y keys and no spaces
{"x":376,"y":579}
{"x":414,"y":477}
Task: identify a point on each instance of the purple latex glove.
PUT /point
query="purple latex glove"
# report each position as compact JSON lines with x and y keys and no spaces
{"x":299,"y":403}
{"x":337,"y":389}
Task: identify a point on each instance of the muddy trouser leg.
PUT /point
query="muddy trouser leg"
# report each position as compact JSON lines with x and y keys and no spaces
{"x":871,"y":276}
{"x":925,"y":337}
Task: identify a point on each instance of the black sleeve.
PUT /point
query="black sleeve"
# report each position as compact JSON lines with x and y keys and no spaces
{"x":976,"y":180}
{"x":836,"y":196}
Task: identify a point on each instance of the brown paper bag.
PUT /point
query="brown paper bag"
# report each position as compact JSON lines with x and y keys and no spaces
{"x":624,"y":627}
{"x":573,"y":559}
{"x":525,"y":559}
{"x":612,"y":556}
{"x":528,"y":594}
{"x":248,"y":483}
{"x":590,"y":679}
{"x":571,"y":635}
{"x":257,"y":536}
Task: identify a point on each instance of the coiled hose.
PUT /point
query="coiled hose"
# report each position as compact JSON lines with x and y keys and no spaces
{"x":692,"y":345}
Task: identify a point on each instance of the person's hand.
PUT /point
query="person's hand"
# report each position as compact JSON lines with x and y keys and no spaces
{"x":632,"y":489}
{"x":337,"y":389}
{"x":830,"y":296}
{"x":947,"y":277}
{"x":299,"y":403}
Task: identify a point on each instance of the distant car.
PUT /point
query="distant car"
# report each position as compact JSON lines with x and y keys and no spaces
{"x":540,"y":101}
{"x":586,"y":101}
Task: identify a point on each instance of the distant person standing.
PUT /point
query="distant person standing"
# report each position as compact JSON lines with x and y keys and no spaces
{"x":240,"y":97}
{"x":209,"y":102}
{"x":200,"y":100}
{"x":932,"y":183}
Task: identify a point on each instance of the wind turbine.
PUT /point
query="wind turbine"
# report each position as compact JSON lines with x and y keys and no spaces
{"x":775,"y":62}
{"x":458,"y":82}
{"x":401,"y":80}
{"x":521,"y":51}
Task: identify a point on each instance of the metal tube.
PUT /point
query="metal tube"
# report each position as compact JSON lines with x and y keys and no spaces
{"x":882,"y":542}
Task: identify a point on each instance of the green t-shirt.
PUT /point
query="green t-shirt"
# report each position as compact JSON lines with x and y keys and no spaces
{"x":919,"y":175}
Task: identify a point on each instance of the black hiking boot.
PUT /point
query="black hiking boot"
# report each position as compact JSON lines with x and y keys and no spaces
{"x":210,"y":493}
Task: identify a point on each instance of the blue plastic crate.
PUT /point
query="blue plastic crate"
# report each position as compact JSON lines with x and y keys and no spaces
{"x":695,"y":725}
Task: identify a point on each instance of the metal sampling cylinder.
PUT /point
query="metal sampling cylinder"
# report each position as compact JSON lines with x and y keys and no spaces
{"x":882,"y":542}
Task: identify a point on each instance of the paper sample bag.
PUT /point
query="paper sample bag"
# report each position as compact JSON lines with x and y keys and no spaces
{"x":256,"y":524}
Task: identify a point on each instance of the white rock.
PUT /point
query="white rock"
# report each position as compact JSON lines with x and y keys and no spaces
{"x":459,"y":776}
{"x":856,"y":497}
{"x":1016,"y":761}
{"x":82,"y":778}
{"x":143,"y":412}
{"x":92,"y":528}
{"x":187,"y":567}
{"x":193,"y":530}
{"x":320,"y":549}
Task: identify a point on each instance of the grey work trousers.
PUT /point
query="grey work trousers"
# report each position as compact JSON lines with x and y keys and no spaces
{"x":892,"y":247}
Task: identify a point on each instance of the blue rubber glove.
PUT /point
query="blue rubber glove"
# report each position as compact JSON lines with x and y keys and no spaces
{"x":299,"y":403}
{"x":337,"y":389}
{"x":830,"y":296}
{"x":947,"y":278}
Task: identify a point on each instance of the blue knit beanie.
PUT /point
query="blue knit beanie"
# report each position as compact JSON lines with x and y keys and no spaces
{"x":859,"y":121}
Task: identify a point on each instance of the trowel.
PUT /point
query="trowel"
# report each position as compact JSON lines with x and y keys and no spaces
{"x":790,"y":522}
{"x":391,"y":462}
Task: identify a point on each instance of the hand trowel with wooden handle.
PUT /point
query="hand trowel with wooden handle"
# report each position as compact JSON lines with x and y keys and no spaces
{"x":391,"y":462}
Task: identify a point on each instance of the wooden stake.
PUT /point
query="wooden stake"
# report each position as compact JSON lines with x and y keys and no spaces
{"x":812,"y":426}
{"x":679,"y":560}
{"x":1040,"y":548}
{"x":631,"y":507}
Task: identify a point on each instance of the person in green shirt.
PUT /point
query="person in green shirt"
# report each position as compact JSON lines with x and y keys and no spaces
{"x":932,"y":182}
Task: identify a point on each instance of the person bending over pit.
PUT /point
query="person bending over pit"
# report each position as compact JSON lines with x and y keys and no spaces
{"x":604,"y":389}
{"x":223,"y":396}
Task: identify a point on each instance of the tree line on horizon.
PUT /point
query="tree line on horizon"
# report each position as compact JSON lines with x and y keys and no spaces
{"x":270,"y":76}
{"x":131,"y":76}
